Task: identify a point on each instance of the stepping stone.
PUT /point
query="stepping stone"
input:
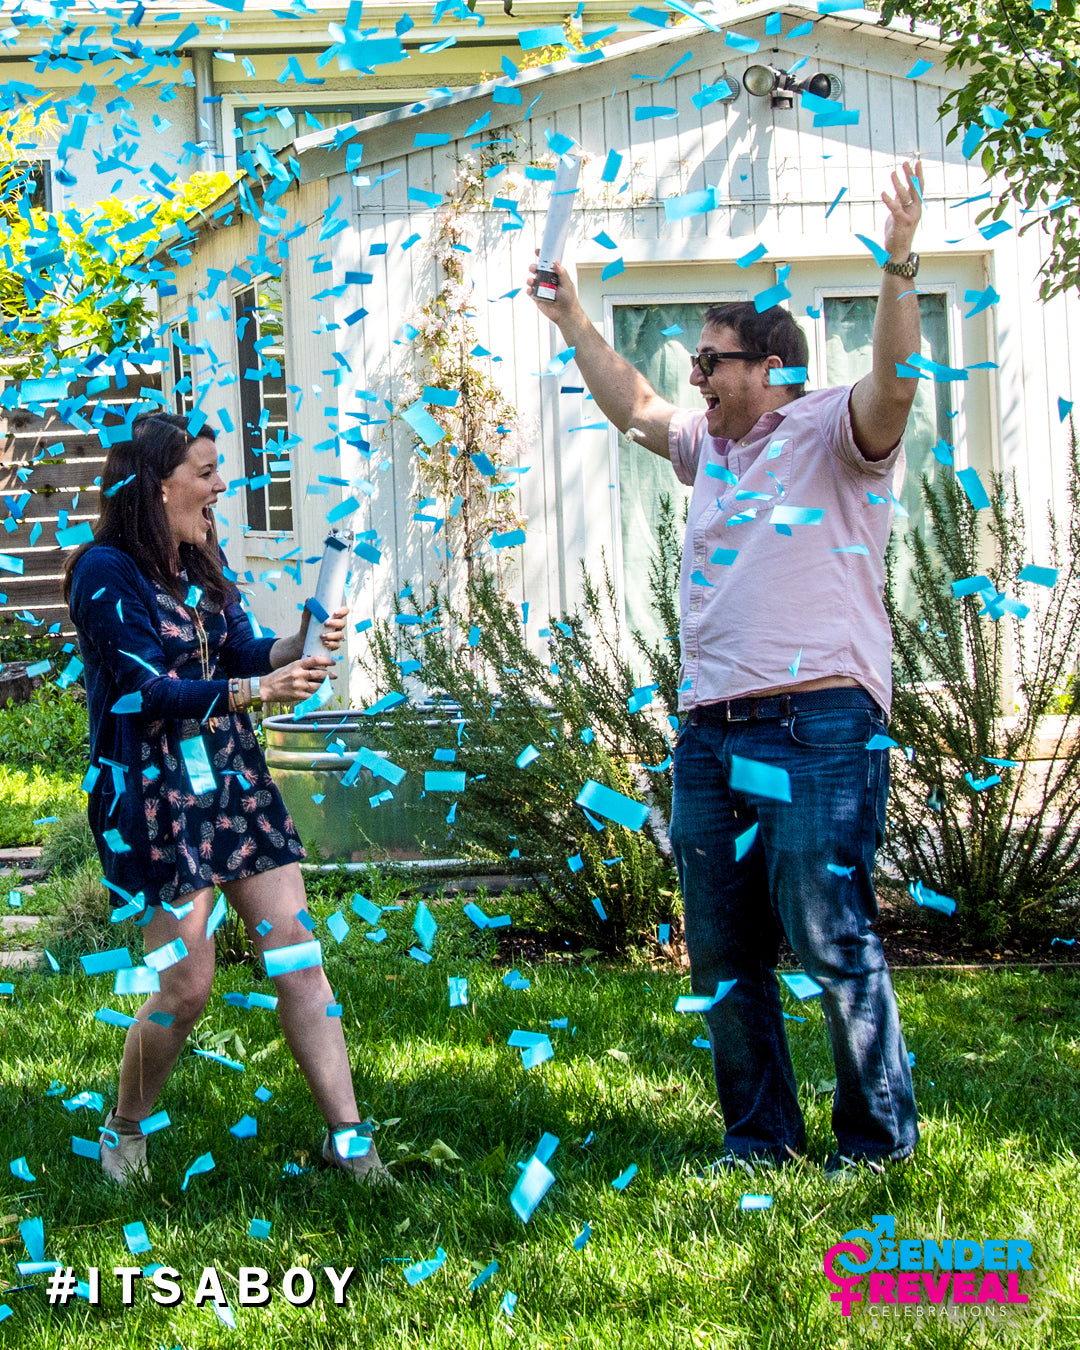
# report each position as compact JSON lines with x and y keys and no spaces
{"x":31,"y":852}
{"x":25,"y":960}
{"x":18,"y":923}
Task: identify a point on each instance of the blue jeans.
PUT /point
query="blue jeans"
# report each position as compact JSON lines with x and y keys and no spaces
{"x":735,"y":913}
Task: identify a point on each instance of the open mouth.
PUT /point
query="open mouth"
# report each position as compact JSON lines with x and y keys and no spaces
{"x":711,"y":402}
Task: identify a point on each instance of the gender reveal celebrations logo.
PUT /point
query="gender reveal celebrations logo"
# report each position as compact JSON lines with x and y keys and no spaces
{"x":872,"y":1267}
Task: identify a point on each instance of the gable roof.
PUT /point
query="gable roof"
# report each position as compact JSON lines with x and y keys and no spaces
{"x":388,"y":135}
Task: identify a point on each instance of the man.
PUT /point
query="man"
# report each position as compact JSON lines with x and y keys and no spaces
{"x":780,"y":794}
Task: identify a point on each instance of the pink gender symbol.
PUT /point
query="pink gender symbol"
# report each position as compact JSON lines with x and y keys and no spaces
{"x":845,"y":1293}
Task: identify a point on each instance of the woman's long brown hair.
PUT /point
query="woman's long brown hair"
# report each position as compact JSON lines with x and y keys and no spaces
{"x":132,"y":511}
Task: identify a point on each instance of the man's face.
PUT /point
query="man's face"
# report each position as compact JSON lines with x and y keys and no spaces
{"x":737,"y":392}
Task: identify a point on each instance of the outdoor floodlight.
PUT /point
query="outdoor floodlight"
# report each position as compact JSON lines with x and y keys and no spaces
{"x":781,"y":87}
{"x":761,"y":80}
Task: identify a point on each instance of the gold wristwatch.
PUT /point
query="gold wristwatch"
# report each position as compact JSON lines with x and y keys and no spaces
{"x":909,"y":269}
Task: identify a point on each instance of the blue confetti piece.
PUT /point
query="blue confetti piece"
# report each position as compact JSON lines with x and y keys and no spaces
{"x":444,"y":780}
{"x":20,"y":1169}
{"x":533,"y":1184}
{"x":483,"y":1277}
{"x":459,"y":991}
{"x":745,"y":841}
{"x":703,"y":1003}
{"x":924,"y":896}
{"x":625,"y":1178}
{"x":259,"y":1228}
{"x":203,"y":1163}
{"x":779,"y":375}
{"x":1041,"y":576}
{"x":425,"y":426}
{"x":760,"y":780}
{"x":424,"y":926}
{"x":101,"y":963}
{"x":972,"y":485}
{"x":753,"y":256}
{"x":755,"y":1202}
{"x":247,"y":1127}
{"x":802,"y":986}
{"x":298,"y":956}
{"x":422,"y":1270}
{"x":508,"y":1304}
{"x":135,"y":1238}
{"x":158,"y":1121}
{"x":612,"y":805}
{"x":418,"y":954}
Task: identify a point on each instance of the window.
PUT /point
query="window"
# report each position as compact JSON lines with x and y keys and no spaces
{"x":659,"y":340}
{"x":180,"y":367}
{"x":849,"y":330}
{"x":264,"y":406}
{"x":30,"y":179}
{"x":275,"y":127}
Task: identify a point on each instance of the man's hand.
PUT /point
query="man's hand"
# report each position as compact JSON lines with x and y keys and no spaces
{"x":905,"y":212}
{"x":622,"y":393}
{"x":565,"y":309}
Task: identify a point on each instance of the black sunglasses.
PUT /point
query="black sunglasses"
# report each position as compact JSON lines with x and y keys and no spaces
{"x":706,"y":361}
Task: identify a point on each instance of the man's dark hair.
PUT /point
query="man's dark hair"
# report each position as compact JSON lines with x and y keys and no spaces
{"x":132,"y":512}
{"x":773,"y":332}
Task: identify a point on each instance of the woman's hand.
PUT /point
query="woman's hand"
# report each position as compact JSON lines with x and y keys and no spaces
{"x":333,"y":632}
{"x":290,"y":649}
{"x":297,"y":681}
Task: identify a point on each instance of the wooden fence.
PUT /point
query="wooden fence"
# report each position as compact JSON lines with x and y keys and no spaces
{"x":48,"y":468}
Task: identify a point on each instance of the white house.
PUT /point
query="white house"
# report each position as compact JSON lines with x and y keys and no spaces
{"x":659,"y":118}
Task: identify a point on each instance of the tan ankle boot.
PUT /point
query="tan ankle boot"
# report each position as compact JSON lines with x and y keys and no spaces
{"x":124,"y":1160}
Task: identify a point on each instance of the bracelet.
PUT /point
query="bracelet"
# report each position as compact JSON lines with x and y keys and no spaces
{"x":239,"y":695}
{"x":255,"y":687}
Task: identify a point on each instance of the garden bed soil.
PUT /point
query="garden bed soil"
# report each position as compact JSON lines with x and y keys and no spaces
{"x":910,"y":936}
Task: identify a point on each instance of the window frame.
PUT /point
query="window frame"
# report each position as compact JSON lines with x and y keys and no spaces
{"x":953,"y":327}
{"x":252,"y":457}
{"x":611,"y":301}
{"x":234,"y":104}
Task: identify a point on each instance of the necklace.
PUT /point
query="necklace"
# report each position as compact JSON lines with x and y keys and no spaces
{"x":203,"y":639}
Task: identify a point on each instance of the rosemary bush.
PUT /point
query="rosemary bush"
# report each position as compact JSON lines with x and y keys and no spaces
{"x":579,"y":708}
{"x":979,"y":677}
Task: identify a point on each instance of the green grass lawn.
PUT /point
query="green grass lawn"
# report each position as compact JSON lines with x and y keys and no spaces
{"x":672,"y":1260}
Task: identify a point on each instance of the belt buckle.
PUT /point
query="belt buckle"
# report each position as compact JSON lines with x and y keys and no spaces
{"x":730,"y":716}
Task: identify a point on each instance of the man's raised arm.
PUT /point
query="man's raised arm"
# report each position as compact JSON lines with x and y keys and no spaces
{"x":622,"y":393}
{"x":881,"y":401}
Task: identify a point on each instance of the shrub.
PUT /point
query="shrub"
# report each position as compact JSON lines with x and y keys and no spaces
{"x":29,"y":795}
{"x":528,"y":731}
{"x":69,"y":844}
{"x":50,"y":728}
{"x":968,"y":818}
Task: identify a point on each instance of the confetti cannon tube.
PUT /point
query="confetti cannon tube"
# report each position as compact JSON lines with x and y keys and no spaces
{"x":556,"y":226}
{"x":329,"y":589}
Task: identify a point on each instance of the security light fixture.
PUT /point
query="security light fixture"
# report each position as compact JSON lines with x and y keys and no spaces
{"x":781,"y":87}
{"x":731,"y":92}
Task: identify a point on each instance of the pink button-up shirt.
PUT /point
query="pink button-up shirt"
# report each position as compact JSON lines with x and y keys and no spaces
{"x":783,"y":565}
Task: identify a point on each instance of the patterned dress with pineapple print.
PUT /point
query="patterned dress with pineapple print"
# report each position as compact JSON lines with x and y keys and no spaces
{"x":158,"y":832}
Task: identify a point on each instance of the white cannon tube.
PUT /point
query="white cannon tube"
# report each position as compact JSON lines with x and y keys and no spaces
{"x":330,"y":587}
{"x":556,"y":226}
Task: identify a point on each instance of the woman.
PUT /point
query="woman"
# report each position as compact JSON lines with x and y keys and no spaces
{"x":182,"y":800}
